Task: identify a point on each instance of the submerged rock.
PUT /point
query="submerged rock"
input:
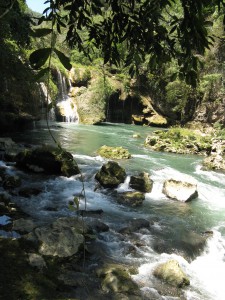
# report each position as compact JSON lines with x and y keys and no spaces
{"x":181,"y":190}
{"x":132,"y":199}
{"x":135,"y":225}
{"x":114,"y":152}
{"x":142,"y":182}
{"x":172,"y":273}
{"x":111,"y":175}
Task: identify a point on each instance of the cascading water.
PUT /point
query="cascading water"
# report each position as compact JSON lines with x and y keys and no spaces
{"x":66,"y":106}
{"x":45,"y":97}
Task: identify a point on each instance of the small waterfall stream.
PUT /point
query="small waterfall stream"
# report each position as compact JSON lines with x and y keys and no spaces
{"x":65,"y":104}
{"x":45,"y":99}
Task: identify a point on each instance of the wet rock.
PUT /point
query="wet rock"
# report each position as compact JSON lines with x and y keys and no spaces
{"x":62,"y":238}
{"x":11,"y":182}
{"x":172,"y":273}
{"x":23,"y":225}
{"x":5,"y":198}
{"x":136,"y":135}
{"x":90,"y":213}
{"x":182,"y":190}
{"x":132,"y":199}
{"x":98,"y":226}
{"x":36,"y":260}
{"x":116,"y":278}
{"x":114,"y":152}
{"x":29,"y":191}
{"x":135,"y":225}
{"x":111,"y":175}
{"x":48,"y":160}
{"x":142,"y":182}
{"x":193,"y":242}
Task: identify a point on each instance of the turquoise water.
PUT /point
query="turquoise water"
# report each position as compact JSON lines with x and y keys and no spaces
{"x":173,"y":222}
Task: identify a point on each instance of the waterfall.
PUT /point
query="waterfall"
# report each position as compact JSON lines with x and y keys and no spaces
{"x":45,"y":100}
{"x":65,"y":104}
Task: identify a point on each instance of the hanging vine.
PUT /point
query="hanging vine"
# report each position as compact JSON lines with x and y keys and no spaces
{"x":38,"y":59}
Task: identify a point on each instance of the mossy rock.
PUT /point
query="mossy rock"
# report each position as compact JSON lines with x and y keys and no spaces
{"x":111,"y":175}
{"x":172,"y":273}
{"x":142,"y":182}
{"x":114,"y":152}
{"x":115,"y":278}
{"x":133,"y":199}
{"x":48,"y":160}
{"x":179,"y":140}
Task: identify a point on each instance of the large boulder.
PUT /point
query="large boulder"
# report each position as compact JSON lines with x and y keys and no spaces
{"x":111,"y":175}
{"x":63,"y":238}
{"x":47,"y":159}
{"x":133,"y":199}
{"x":114,"y":152}
{"x":115,"y":278}
{"x":172,"y":273}
{"x":182,"y":190}
{"x":142,"y":182}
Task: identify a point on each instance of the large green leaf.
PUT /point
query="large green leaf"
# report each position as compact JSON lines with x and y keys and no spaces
{"x":39,"y":57}
{"x":63,"y":59}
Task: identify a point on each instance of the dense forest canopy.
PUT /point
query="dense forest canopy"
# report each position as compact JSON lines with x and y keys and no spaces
{"x":171,"y":46}
{"x":153,"y":32}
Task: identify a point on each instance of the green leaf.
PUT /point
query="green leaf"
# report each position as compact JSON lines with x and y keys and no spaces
{"x":76,"y":202}
{"x":41,"y":32}
{"x":39,"y":57}
{"x":65,"y":61}
{"x":71,"y":207}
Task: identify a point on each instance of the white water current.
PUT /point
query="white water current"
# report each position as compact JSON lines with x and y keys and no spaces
{"x":172,"y":222}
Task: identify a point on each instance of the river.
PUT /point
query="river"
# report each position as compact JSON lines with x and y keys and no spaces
{"x":172,"y":222}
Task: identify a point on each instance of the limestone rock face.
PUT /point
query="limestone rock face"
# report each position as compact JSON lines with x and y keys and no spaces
{"x":172,"y":273}
{"x":157,"y":121}
{"x":111,"y":174}
{"x":142,"y":182}
{"x":181,"y":190}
